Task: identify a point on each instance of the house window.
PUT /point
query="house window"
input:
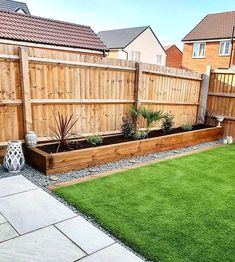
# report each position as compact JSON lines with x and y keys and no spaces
{"x":199,"y":50}
{"x":135,"y":56}
{"x":224,"y":48}
{"x":159,"y":59}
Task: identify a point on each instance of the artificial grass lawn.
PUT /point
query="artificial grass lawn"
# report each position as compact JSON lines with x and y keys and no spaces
{"x":177,"y":210}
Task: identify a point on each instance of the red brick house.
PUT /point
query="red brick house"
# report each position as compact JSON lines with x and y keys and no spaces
{"x":174,"y":56}
{"x":210,"y":43}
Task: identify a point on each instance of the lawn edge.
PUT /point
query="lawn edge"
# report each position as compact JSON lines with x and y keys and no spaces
{"x":123,"y":169}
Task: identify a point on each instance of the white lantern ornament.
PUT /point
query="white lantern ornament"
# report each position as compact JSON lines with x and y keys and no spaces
{"x":14,"y":159}
{"x":31,"y":139}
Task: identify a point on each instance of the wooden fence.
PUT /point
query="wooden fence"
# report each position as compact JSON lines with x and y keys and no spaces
{"x":35,"y":82}
{"x":221,"y":98}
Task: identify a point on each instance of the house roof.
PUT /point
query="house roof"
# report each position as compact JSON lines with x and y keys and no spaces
{"x":120,"y":38}
{"x":21,"y":27}
{"x":166,"y":47}
{"x":14,"y":6}
{"x":213,"y":26}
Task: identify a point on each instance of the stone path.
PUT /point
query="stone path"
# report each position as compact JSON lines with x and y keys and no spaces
{"x":34,"y":226}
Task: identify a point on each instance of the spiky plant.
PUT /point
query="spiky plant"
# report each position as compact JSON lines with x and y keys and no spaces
{"x":140,"y":135}
{"x":135,"y":112}
{"x":151,"y":117}
{"x":206,"y":117}
{"x":62,"y":130}
{"x":94,"y":140}
{"x":187,"y":127}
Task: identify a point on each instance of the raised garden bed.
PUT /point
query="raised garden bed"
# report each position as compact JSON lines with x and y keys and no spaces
{"x":43,"y":158}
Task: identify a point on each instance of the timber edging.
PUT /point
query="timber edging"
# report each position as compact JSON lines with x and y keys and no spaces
{"x":78,"y":159}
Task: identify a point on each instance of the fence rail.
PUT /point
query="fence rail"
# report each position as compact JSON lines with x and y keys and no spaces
{"x":34,"y":83}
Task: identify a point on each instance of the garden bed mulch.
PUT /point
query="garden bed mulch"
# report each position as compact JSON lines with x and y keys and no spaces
{"x":110,"y":140}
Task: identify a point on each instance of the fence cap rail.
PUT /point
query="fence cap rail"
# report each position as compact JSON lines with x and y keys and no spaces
{"x":223,"y":71}
{"x":110,"y":64}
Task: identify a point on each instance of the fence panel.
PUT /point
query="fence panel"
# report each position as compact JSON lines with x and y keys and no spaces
{"x":11,"y":118}
{"x":171,"y":90}
{"x":221,"y":98}
{"x":99,"y":91}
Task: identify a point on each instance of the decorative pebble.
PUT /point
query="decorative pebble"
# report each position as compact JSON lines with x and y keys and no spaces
{"x":54,"y":178}
{"x":43,"y":181}
{"x":92,"y":170}
{"x":133,"y":161}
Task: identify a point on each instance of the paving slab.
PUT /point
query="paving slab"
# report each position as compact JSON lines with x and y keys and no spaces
{"x":32,"y":210}
{"x":7,"y":232}
{"x":2,"y":219}
{"x":34,"y":226}
{"x":113,"y":253}
{"x":15,"y":184}
{"x":44,"y":245}
{"x":84,"y":234}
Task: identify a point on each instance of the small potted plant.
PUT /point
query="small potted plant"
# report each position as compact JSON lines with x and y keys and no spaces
{"x":219,"y":119}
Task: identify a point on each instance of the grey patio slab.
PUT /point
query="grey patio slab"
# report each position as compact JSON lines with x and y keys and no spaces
{"x":2,"y":219}
{"x":7,"y":232}
{"x":32,"y":210}
{"x":84,"y":234}
{"x":113,"y":253}
{"x":44,"y":245}
{"x":15,"y":184}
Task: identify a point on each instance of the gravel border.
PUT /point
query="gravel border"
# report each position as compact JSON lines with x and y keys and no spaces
{"x":43,"y":181}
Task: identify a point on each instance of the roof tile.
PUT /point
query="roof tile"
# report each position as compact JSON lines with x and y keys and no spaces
{"x":213,"y":26}
{"x":41,"y":30}
{"x":120,"y":38}
{"x":14,"y":6}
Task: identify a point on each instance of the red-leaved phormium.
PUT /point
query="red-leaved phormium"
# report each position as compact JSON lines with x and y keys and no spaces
{"x":62,"y":130}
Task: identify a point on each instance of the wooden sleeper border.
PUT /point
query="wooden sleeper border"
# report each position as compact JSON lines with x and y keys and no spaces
{"x":77,"y":159}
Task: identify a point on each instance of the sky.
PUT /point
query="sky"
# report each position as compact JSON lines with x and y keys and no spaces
{"x":170,"y":20}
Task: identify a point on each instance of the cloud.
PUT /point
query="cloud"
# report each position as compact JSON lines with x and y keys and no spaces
{"x":86,"y":14}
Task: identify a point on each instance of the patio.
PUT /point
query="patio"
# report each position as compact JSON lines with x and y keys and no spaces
{"x":34,"y":226}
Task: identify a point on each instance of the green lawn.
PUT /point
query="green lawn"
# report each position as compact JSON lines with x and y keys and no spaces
{"x":177,"y":210}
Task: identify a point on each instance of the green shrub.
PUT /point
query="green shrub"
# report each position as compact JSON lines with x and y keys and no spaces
{"x":135,"y":112}
{"x":187,"y":127}
{"x":168,"y":123}
{"x":127,"y":127}
{"x":149,"y":115}
{"x":140,"y":135}
{"x":95,"y":140}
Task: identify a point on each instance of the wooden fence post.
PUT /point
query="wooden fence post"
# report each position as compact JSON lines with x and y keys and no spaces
{"x":25,"y":88}
{"x":137,"y":94}
{"x":138,"y":79}
{"x":204,"y":94}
